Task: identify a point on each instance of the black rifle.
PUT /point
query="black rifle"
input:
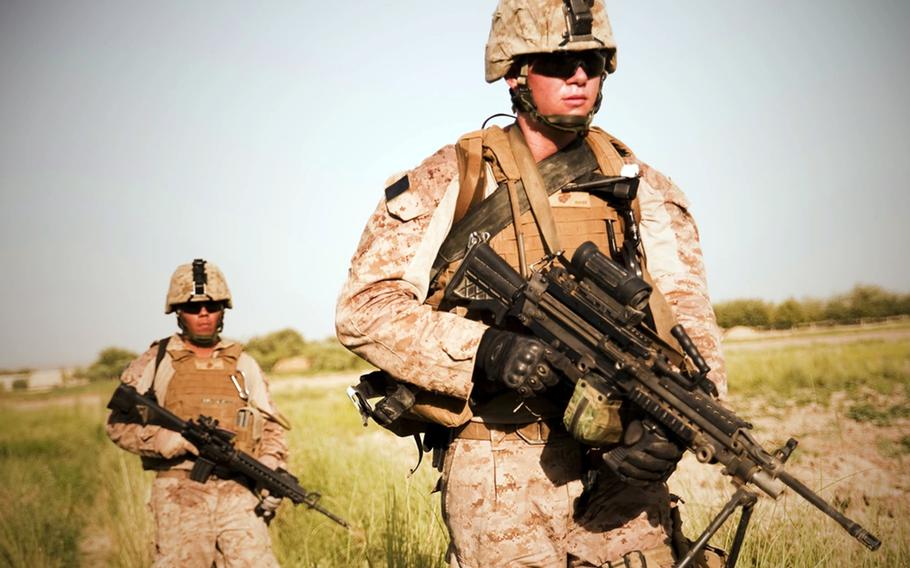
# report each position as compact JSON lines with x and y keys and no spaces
{"x":216,"y":449}
{"x":590,"y":311}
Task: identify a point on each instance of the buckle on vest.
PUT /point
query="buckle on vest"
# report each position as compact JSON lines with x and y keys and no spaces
{"x":242,"y":392}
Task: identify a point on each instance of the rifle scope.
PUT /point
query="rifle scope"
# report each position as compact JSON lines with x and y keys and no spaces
{"x":628,"y":289}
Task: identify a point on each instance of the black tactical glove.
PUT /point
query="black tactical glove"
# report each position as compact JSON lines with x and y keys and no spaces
{"x":514,"y":360}
{"x":647,"y":455}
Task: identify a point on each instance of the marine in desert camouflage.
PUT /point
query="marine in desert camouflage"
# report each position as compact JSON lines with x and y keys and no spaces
{"x":513,"y":476}
{"x":192,"y":373}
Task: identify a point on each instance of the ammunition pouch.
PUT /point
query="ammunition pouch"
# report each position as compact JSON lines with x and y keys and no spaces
{"x":592,"y":417}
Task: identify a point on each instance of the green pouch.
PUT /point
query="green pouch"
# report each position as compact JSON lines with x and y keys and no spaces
{"x":592,"y":417}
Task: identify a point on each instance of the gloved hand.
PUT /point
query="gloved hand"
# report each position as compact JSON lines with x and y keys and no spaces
{"x":171,"y":444}
{"x":647,"y":455}
{"x":516,"y":361}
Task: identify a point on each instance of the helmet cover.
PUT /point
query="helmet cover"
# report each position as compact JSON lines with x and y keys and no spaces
{"x":200,"y":281}
{"x":525,"y":27}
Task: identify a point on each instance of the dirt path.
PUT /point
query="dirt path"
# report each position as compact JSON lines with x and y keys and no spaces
{"x":778,"y":341}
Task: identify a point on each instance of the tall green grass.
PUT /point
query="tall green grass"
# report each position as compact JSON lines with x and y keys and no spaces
{"x":813,"y":372}
{"x":363,"y":474}
{"x":69,"y":497}
{"x":791,"y":533}
{"x":48,"y":480}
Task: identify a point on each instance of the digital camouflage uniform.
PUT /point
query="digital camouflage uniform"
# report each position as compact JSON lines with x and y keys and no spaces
{"x":200,"y":524}
{"x":510,"y":494}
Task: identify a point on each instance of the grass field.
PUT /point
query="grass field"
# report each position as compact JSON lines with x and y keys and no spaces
{"x":68,"y":497}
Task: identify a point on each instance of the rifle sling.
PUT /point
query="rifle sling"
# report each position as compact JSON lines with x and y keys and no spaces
{"x":535,"y":191}
{"x":159,"y":356}
{"x":494,"y":213}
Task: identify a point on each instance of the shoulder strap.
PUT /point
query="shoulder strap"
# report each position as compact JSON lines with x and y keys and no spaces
{"x":474,"y":151}
{"x":159,"y":356}
{"x":536,"y":191}
{"x":162,"y":351}
{"x":493,"y":214}
{"x":611,"y":153}
{"x":469,"y":152}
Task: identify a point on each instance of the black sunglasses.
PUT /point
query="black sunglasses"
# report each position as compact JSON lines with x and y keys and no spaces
{"x":564,"y":65}
{"x":196,"y":307}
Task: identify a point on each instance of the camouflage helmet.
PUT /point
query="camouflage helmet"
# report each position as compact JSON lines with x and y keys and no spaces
{"x":524,"y":27}
{"x":200,"y":281}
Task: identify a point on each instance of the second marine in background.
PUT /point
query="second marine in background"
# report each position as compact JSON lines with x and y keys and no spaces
{"x":191,"y":373}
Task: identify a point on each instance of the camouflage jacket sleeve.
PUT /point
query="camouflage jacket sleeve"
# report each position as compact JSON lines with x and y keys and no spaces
{"x":674,"y":257}
{"x":381,"y":314}
{"x":273,"y":446}
{"x":136,"y":438}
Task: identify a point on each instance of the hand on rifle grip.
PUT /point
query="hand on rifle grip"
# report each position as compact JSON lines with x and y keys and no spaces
{"x":515,"y":361}
{"x":647,"y":455}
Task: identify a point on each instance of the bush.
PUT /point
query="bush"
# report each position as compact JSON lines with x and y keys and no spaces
{"x":275,"y":346}
{"x":20,"y":384}
{"x":109,"y":365}
{"x":788,"y":314}
{"x":752,"y":313}
{"x":327,"y":355}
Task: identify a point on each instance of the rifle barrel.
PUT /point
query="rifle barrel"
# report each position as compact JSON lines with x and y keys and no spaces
{"x":852,"y":527}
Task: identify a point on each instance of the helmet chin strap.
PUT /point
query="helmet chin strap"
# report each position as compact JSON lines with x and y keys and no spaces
{"x":523,"y":101}
{"x":201,"y":340}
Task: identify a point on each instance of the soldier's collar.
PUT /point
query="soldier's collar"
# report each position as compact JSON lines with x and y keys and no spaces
{"x":178,"y":348}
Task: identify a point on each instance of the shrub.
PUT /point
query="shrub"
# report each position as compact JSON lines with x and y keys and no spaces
{"x":752,"y":313}
{"x":109,"y":365}
{"x":327,"y":355}
{"x":271,"y":348}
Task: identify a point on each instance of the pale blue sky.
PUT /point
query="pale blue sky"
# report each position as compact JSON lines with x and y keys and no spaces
{"x":139,"y":135}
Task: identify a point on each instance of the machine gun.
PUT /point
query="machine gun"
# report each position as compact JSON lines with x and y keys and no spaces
{"x":216,"y":450}
{"x":590,"y":311}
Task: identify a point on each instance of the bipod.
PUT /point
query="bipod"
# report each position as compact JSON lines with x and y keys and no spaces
{"x":742,"y":498}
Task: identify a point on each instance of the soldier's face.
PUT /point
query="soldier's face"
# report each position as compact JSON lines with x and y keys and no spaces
{"x":204,"y":323}
{"x":563,"y":90}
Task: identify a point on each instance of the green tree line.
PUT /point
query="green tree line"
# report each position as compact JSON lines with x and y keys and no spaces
{"x":327,"y":355}
{"x":860,"y":303}
{"x":323,"y":356}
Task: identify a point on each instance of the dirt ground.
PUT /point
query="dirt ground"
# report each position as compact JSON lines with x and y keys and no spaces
{"x":842,"y":459}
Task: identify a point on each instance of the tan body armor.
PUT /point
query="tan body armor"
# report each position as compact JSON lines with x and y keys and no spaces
{"x":576,"y":217}
{"x":214,"y":387}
